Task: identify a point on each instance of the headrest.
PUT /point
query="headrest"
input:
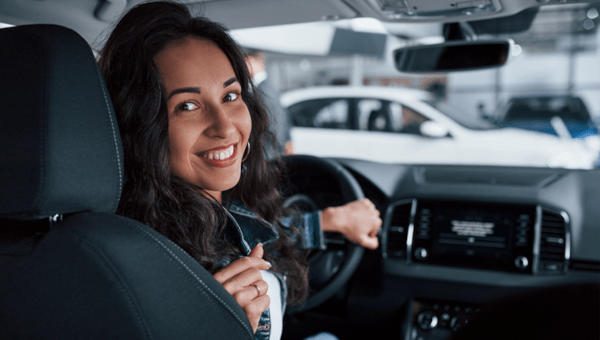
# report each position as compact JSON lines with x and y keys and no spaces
{"x":60,"y":149}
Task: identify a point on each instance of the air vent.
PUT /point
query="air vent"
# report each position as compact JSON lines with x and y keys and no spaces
{"x":398,"y":230}
{"x":553,"y":244}
{"x":423,"y":224}
{"x":525,"y":177}
{"x":523,"y":236}
{"x":585,"y":265}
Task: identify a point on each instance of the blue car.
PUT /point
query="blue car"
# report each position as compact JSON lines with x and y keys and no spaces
{"x":536,"y":112}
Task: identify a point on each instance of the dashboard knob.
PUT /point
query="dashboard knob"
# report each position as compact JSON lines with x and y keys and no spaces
{"x":421,"y":253}
{"x":521,"y":262}
{"x":427,"y":320}
{"x":458,"y":321}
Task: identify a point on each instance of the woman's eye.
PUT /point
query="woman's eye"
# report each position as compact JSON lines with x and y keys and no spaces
{"x":231,"y":96}
{"x":186,"y":107}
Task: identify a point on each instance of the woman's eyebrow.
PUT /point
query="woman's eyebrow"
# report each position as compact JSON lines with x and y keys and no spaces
{"x":191,"y":89}
{"x":229,"y":81}
{"x":194,"y":89}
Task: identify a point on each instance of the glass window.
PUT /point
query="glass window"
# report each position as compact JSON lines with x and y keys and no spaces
{"x":382,"y":115}
{"x":365,"y":108}
{"x":411,"y":121}
{"x":331,"y":113}
{"x":333,"y":116}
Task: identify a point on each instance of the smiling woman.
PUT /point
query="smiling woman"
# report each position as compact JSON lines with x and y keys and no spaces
{"x":187,"y":118}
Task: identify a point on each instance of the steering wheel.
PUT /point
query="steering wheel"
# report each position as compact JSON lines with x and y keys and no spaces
{"x":330,"y":269}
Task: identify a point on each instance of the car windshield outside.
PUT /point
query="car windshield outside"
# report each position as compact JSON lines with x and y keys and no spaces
{"x":546,"y":107}
{"x":348,"y":100}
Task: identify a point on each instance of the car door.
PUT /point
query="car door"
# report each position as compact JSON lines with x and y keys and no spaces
{"x":395,"y":134}
{"x":322,"y":127}
{"x":366,"y":128}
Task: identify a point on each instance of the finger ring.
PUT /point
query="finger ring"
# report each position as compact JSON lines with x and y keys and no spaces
{"x":258,"y":289}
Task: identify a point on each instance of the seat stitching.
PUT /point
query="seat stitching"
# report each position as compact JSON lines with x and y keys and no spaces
{"x":189,"y":271}
{"x":122,"y":284}
{"x":44,"y":75}
{"x":100,"y":79}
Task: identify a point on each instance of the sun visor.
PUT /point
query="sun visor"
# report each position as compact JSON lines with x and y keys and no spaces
{"x":349,"y":42}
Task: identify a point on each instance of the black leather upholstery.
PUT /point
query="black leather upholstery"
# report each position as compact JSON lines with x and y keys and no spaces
{"x":93,"y":275}
{"x":60,"y":142}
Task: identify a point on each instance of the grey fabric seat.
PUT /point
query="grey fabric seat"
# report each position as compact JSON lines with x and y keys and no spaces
{"x":69,"y":267}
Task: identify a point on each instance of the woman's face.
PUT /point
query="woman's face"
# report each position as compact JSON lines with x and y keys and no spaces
{"x":209,"y":123}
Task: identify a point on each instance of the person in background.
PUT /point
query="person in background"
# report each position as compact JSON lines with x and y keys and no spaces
{"x":279,"y":122}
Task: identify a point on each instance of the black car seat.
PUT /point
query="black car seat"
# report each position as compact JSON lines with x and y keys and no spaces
{"x":379,"y":116}
{"x":69,"y":267}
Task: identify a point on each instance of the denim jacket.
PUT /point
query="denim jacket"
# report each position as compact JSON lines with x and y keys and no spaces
{"x":245,"y":231}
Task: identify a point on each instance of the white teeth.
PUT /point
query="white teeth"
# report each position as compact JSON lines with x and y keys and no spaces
{"x":220,"y":155}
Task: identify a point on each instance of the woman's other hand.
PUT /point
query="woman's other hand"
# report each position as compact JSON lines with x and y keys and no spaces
{"x":359,"y":221}
{"x":242,"y":279}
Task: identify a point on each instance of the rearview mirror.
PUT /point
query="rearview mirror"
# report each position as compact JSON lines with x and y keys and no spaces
{"x":453,"y":56}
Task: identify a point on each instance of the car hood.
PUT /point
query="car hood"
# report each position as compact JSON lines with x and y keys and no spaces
{"x":575,"y":150}
{"x":520,"y":137}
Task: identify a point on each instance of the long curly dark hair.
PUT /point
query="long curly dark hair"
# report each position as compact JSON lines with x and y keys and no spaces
{"x":152,"y":194}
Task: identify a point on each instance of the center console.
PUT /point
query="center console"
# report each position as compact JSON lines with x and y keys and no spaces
{"x":527,"y":239}
{"x":488,"y":238}
{"x":435,"y":320}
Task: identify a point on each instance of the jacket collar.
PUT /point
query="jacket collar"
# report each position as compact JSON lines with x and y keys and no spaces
{"x":251,"y":228}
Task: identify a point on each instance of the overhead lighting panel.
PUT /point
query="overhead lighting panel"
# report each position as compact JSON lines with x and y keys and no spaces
{"x":427,"y":9}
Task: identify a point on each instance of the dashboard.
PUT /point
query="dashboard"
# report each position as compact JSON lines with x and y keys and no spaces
{"x":455,"y":238}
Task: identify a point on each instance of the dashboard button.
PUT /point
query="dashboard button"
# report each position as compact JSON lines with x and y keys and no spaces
{"x":427,"y":320}
{"x":521,"y":262}
{"x":458,"y":321}
{"x":421,"y":253}
{"x":552,"y":266}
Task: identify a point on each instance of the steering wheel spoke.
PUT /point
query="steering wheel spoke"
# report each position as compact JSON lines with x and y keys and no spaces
{"x":333,"y":239}
{"x":312,"y":179}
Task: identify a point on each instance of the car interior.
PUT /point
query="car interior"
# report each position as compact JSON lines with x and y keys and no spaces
{"x":465,"y":251}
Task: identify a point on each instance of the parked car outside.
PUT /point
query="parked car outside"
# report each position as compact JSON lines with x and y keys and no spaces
{"x":535,"y":113}
{"x":397,"y":125}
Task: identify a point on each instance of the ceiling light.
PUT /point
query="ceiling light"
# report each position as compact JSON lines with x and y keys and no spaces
{"x":370,"y":25}
{"x":427,"y":9}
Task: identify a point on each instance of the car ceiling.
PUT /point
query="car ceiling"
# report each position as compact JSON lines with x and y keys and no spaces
{"x":92,"y":18}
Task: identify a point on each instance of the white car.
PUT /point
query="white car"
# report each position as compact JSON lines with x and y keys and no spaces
{"x":396,"y":125}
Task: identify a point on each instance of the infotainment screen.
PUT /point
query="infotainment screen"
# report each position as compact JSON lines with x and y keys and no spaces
{"x":470,"y":231}
{"x":473,"y":234}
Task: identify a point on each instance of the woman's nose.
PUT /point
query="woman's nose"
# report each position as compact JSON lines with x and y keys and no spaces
{"x":221,"y":125}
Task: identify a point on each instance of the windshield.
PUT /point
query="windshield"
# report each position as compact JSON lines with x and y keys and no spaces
{"x":515,"y":115}
{"x":458,"y":116}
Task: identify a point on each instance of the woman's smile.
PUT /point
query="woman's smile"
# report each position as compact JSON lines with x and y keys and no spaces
{"x":220,"y":157}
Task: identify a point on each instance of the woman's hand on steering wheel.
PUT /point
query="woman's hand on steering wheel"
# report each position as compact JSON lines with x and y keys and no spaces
{"x":359,"y":221}
{"x":243,"y":280}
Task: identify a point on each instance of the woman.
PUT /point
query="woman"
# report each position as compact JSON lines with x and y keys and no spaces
{"x":194,"y":139}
